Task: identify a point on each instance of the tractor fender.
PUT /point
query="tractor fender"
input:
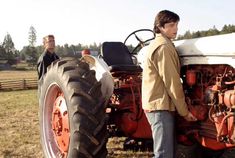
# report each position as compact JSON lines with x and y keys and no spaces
{"x":102,"y":75}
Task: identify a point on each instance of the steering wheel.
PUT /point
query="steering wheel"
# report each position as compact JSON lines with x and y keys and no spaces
{"x":141,"y":43}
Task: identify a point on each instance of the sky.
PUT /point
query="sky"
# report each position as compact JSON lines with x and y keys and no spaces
{"x":89,"y":21}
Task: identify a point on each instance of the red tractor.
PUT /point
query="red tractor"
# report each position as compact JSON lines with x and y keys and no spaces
{"x":85,"y":101}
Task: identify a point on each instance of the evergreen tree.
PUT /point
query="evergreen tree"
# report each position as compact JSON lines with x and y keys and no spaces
{"x":2,"y":52}
{"x":8,"y":44}
{"x":32,"y":36}
{"x":10,"y":50}
{"x":196,"y":34}
{"x":187,"y":35}
{"x":213,"y":31}
{"x":30,"y":51}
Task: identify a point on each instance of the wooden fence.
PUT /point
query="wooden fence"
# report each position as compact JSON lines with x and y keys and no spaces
{"x":18,"y":84}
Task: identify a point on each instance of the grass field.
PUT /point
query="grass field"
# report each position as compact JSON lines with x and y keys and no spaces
{"x":6,"y":75}
{"x":19,"y":128}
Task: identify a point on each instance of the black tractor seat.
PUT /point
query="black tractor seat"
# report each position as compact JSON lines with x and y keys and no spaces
{"x":118,"y":57}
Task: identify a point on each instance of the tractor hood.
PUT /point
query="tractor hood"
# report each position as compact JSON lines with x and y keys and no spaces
{"x":219,"y":45}
{"x":219,"y":49}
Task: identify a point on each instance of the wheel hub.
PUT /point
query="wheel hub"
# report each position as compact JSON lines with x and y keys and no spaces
{"x":60,"y":124}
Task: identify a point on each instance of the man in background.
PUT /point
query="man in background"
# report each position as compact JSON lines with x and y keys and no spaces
{"x":48,"y":56}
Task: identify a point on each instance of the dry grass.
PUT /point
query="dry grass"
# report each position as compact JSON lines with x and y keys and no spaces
{"x":6,"y":75}
{"x":115,"y":150}
{"x":19,"y":128}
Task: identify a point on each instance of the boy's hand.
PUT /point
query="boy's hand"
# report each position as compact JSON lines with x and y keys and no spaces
{"x":190,"y":117}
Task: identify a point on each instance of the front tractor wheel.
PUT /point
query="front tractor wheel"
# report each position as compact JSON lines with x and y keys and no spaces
{"x":72,"y":115}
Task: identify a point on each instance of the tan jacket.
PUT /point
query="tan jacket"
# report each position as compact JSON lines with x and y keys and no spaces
{"x":161,"y":85}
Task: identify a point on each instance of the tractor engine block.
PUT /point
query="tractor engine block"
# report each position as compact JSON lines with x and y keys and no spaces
{"x":210,"y":95}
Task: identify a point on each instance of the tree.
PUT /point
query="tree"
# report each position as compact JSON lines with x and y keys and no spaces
{"x":68,"y":51}
{"x":212,"y":31}
{"x":32,"y":55}
{"x":30,"y":50}
{"x":187,"y":35}
{"x":196,"y":34}
{"x":32,"y":36}
{"x":9,"y":47}
{"x":8,"y":44}
{"x":2,"y":52}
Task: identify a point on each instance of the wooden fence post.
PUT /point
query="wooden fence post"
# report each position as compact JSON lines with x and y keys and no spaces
{"x":24,"y":84}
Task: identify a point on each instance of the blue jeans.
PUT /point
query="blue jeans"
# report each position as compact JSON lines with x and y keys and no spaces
{"x":162,"y":125}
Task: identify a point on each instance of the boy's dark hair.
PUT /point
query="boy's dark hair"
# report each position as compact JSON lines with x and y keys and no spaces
{"x":163,"y":17}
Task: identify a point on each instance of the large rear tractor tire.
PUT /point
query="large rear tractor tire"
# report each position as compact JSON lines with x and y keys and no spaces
{"x":72,"y":112}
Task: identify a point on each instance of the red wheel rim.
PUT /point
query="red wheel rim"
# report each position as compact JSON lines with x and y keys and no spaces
{"x":60,"y":124}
